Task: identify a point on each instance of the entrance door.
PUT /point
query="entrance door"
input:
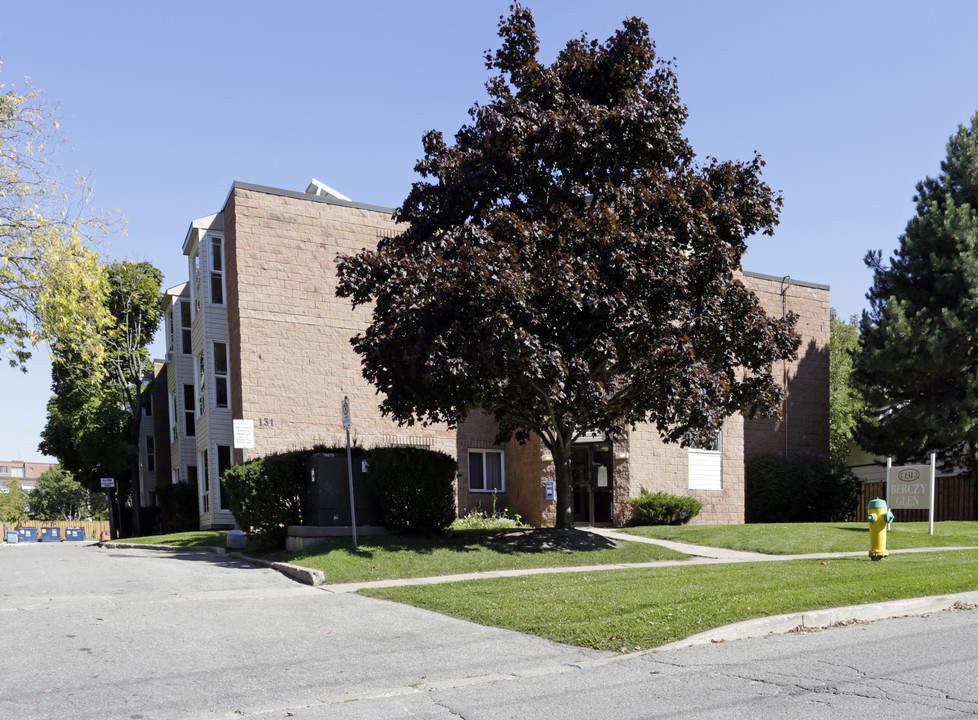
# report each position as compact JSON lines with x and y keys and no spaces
{"x":591,"y":478}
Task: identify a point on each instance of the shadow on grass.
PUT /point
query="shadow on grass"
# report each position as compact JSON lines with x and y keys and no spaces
{"x":506,"y":542}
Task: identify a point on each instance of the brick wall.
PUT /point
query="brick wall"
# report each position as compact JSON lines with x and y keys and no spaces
{"x":659,"y":466}
{"x":804,"y":427}
{"x":292,"y":362}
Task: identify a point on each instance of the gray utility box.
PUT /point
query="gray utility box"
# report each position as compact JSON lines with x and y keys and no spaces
{"x":328,"y":492}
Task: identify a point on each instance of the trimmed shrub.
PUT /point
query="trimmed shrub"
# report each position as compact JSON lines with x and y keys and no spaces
{"x":799,"y":488}
{"x":266,"y":494}
{"x":660,"y":508}
{"x":415,"y":488}
{"x":178,"y":507}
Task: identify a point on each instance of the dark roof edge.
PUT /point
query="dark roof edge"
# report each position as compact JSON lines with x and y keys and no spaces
{"x":306,"y":196}
{"x":778,"y":278}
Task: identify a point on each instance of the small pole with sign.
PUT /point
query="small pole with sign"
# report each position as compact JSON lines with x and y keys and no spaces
{"x":109,"y":485}
{"x":345,"y":411}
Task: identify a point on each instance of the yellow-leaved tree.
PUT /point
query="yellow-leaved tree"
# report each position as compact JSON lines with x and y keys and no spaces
{"x":51,"y":279}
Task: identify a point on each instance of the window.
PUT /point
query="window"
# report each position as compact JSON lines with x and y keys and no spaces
{"x":223,"y":463}
{"x":175,"y":477}
{"x":706,"y":465}
{"x":169,"y":329}
{"x":195,"y":274}
{"x":172,"y":406}
{"x":147,"y":402}
{"x":220,"y":375}
{"x":150,"y":454}
{"x":204,"y":489}
{"x":185,"y":336}
{"x":189,"y":418}
{"x":201,"y":386}
{"x":4,"y":470}
{"x":19,"y":472}
{"x":217,"y":270}
{"x":486,"y":471}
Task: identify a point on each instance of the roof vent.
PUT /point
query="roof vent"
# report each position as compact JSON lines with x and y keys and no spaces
{"x":324,"y":190}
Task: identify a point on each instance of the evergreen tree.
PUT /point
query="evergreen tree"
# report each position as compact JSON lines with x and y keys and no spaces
{"x":918,"y":366}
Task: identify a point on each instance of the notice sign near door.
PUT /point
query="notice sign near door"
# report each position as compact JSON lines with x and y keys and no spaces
{"x":910,"y":487}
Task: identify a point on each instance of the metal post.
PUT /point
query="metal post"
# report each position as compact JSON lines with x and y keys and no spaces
{"x":353,"y":509}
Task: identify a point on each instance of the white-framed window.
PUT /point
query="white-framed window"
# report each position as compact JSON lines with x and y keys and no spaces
{"x":172,"y":405}
{"x":186,"y":339}
{"x":706,"y":465}
{"x":195,"y":286}
{"x":204,"y":484}
{"x":216,"y":245}
{"x":486,"y":471}
{"x":224,"y":461}
{"x":150,"y":454}
{"x":170,"y":329}
{"x":16,"y":472}
{"x":221,"y":375}
{"x":175,"y":476}
{"x":189,"y":416}
{"x":201,"y":386}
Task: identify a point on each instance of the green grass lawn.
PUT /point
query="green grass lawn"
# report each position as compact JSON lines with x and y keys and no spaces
{"x":801,"y":538}
{"x":385,"y":557}
{"x":625,"y":610}
{"x":200,"y":538}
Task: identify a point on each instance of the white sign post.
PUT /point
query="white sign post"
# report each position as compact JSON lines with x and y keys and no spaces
{"x":911,"y":487}
{"x":347,"y":424}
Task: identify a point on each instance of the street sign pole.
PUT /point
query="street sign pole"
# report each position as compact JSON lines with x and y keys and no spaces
{"x":347,"y":423}
{"x":109,"y":485}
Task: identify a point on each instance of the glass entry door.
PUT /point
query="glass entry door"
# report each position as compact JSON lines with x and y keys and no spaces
{"x":591,"y":479}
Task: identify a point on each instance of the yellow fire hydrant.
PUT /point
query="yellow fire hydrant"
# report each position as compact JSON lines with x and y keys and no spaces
{"x":879,"y":518}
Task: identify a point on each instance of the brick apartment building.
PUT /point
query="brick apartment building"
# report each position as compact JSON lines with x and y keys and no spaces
{"x":258,"y":334}
{"x":26,"y":472}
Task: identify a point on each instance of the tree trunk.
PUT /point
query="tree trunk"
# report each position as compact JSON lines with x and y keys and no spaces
{"x":564,"y":487}
{"x":134,"y":481}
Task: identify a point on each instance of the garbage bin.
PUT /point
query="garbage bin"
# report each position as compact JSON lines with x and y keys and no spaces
{"x":27,"y":534}
{"x":50,"y":534}
{"x":75,"y":533}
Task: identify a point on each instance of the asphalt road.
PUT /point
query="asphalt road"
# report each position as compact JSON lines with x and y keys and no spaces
{"x":135,"y":634}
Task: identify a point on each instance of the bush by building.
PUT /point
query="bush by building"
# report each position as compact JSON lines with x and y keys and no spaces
{"x":661,"y":508}
{"x":415,"y":488}
{"x":799,"y":488}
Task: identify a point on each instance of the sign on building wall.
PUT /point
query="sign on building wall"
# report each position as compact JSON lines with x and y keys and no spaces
{"x":244,"y":434}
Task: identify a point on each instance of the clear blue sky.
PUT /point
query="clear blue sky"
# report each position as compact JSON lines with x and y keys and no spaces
{"x":166,"y":104}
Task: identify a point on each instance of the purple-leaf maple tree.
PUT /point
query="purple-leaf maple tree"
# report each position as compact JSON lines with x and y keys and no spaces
{"x":567,"y":266}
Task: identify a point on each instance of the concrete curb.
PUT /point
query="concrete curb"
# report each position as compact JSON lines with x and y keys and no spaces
{"x":172,"y":548}
{"x":821,"y":619}
{"x":304,"y":575}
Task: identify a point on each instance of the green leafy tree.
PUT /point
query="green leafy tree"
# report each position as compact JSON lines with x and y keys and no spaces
{"x":51,"y":282}
{"x":918,"y":364}
{"x":58,"y":496}
{"x":567,"y":266}
{"x":93,"y":418}
{"x":13,"y":502}
{"x":846,"y":406}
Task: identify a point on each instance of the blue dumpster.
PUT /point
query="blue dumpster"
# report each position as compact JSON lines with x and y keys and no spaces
{"x":27,"y":534}
{"x":75,"y":533}
{"x":50,"y":534}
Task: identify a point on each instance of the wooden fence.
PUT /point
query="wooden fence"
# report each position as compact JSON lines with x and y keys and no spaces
{"x":92,"y":529}
{"x":954,"y":499}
